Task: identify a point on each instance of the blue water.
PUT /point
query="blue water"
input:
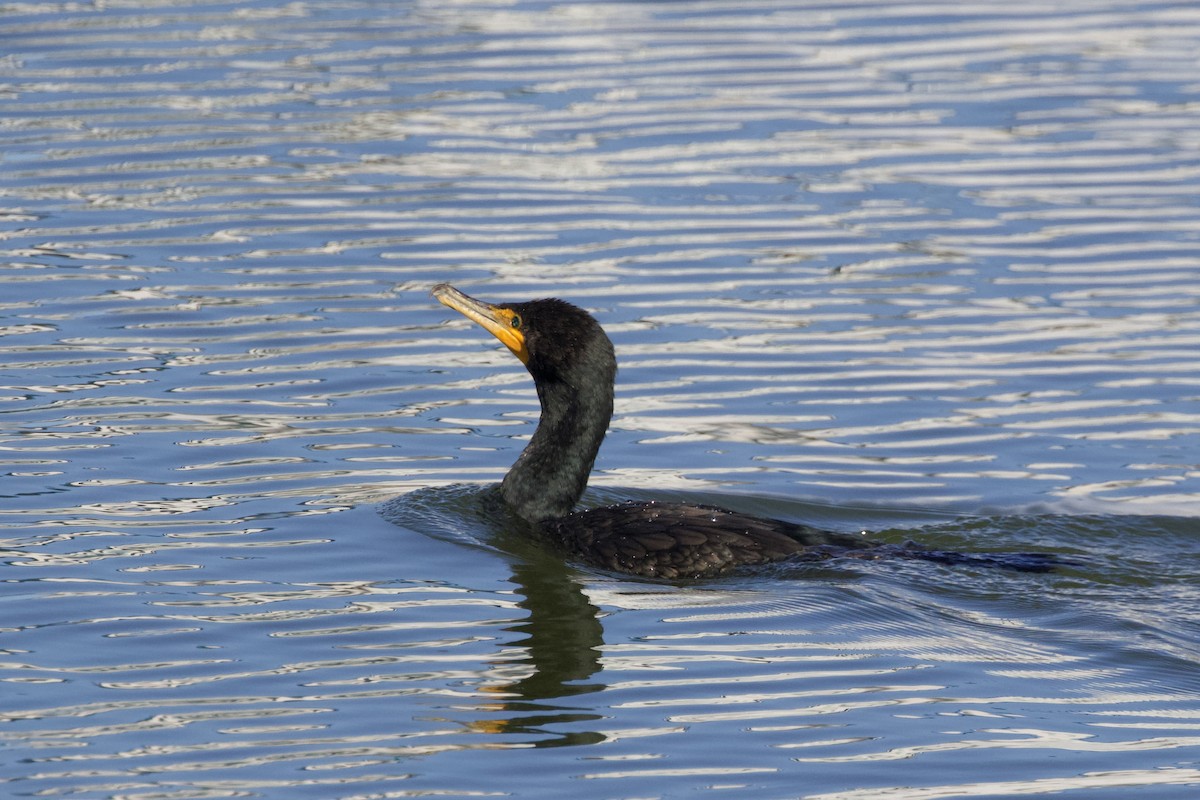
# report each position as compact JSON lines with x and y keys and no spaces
{"x":925,"y":271}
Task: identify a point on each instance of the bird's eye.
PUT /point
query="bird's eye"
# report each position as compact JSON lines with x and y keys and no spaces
{"x":516,"y":321}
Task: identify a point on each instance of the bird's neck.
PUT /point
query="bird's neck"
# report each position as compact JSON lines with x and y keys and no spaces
{"x":551,"y":473}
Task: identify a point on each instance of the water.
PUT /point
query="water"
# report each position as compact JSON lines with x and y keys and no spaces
{"x":925,"y":269}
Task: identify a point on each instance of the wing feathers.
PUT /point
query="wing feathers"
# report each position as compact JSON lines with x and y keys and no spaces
{"x":664,"y":540}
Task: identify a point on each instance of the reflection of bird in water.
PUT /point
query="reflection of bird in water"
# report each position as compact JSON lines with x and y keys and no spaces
{"x":573,"y":367}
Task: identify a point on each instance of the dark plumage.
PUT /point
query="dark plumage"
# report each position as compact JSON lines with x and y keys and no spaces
{"x":573,"y":367}
{"x":673,"y":540}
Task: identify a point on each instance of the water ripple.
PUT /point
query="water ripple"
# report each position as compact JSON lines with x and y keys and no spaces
{"x":920,"y":270}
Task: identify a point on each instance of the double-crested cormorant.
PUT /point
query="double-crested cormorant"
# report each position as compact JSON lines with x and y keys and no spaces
{"x":573,"y":367}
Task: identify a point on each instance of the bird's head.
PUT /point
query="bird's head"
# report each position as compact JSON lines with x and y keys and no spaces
{"x":555,"y":340}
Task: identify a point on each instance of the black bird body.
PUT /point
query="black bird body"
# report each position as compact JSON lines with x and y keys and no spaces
{"x":676,"y":540}
{"x":573,"y":366}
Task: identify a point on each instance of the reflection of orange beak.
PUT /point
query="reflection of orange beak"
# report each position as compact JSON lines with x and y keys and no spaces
{"x":503,"y":323}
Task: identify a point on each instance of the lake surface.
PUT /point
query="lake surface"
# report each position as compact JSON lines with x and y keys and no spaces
{"x":927,"y":270}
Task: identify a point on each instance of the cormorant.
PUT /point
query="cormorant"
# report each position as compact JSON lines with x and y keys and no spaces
{"x":573,"y":367}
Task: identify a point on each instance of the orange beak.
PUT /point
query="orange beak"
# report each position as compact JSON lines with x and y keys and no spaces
{"x":503,"y":323}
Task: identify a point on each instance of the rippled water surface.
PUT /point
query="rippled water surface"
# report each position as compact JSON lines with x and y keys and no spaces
{"x":923,"y":269}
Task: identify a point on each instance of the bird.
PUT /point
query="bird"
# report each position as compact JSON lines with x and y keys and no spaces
{"x":573,"y":366}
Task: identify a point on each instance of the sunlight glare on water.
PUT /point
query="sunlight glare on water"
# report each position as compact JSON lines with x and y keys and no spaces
{"x":925,"y":270}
